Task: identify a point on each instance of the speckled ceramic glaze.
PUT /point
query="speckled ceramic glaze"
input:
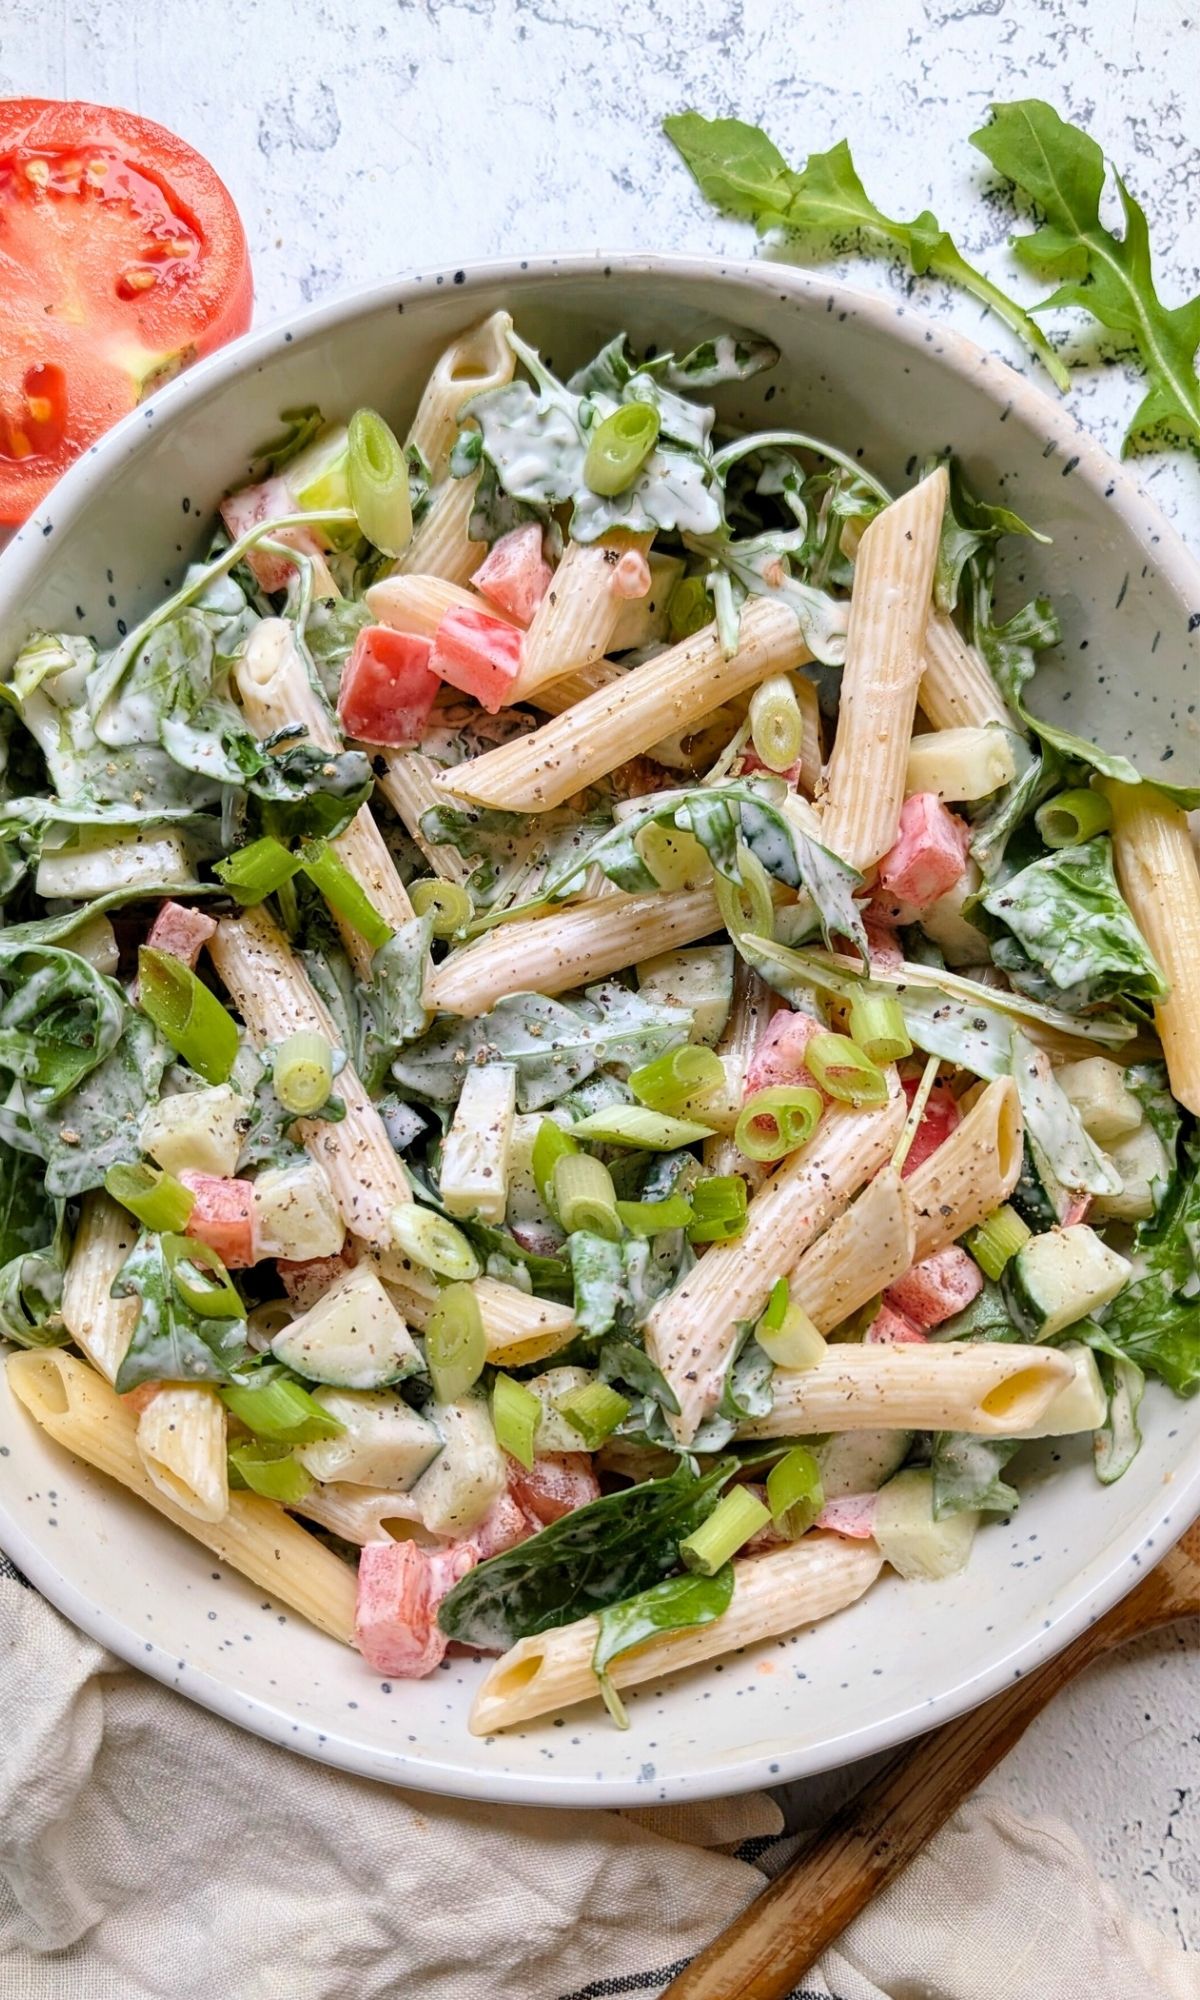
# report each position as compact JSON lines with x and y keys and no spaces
{"x":878,"y":381}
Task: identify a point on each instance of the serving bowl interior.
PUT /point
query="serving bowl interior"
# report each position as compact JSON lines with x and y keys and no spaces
{"x":879,"y":382}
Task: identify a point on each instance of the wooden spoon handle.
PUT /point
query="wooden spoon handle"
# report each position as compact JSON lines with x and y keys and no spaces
{"x":875,"y":1835}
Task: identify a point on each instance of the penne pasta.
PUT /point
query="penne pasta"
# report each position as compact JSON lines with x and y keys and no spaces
{"x":987,"y":1387}
{"x":753,"y":1005}
{"x":957,"y":691}
{"x":275,"y":690}
{"x":101,"y":1325}
{"x":406,"y":782}
{"x":441,"y":545}
{"x":972,"y":1172}
{"x":574,"y":624}
{"x":181,"y":1442}
{"x":811,"y":750}
{"x":889,"y":609}
{"x":662,"y":697}
{"x":643,"y":621}
{"x":518,"y":1326}
{"x":418,"y":603}
{"x":1160,"y":879}
{"x":690,"y":1334}
{"x":478,"y":359}
{"x":863,"y":1251}
{"x":772,"y":1594}
{"x":360,"y":1513}
{"x":272,"y":994}
{"x":77,"y":1408}
{"x":568,"y":947}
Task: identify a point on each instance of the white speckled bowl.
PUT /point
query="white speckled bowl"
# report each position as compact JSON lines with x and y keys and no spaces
{"x":876,"y":380}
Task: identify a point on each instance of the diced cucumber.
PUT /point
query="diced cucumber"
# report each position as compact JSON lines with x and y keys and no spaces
{"x":384,"y":1444}
{"x":296,"y":1213}
{"x":1061,"y":1277}
{"x":554,"y":1433}
{"x":353,"y":1337}
{"x":860,"y":1461}
{"x":1096,"y":1087}
{"x":469,"y":1472}
{"x":701,"y":979}
{"x":1145,"y":1168}
{"x":1040,"y":1205}
{"x":910,"y":1539}
{"x":197,"y":1131}
{"x":128,"y":859}
{"x":961,"y":942}
{"x":1080,"y":1405}
{"x":475,"y":1150}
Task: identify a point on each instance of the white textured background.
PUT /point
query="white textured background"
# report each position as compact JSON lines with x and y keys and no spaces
{"x":365,"y":137}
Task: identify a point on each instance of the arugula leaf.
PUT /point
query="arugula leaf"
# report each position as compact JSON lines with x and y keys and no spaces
{"x":616,"y":1284}
{"x":1062,"y":171}
{"x":969,"y":525}
{"x":677,"y":1604}
{"x":966,"y":1474}
{"x":170,"y":1342}
{"x":1072,"y":920}
{"x":742,"y":173}
{"x":726,"y":357}
{"x":602,"y":1553}
{"x":392,"y":1012}
{"x":761,"y":564}
{"x":1155,"y":1321}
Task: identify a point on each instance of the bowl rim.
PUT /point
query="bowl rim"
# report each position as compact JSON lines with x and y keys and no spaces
{"x":1144,"y":1539}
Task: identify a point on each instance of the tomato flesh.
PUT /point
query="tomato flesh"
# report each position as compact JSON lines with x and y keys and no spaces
{"x":122,"y":259}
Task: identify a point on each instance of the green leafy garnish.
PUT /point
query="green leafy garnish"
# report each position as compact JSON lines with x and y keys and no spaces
{"x":743,"y":173}
{"x":677,"y":1604}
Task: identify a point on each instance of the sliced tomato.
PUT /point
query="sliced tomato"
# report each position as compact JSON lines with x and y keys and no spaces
{"x":122,"y":259}
{"x":387,"y":687}
{"x":223,"y":1217}
{"x":478,"y":655}
{"x":515,"y":575}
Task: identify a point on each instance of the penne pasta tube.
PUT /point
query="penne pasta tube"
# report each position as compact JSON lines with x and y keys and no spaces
{"x":662,"y":697}
{"x":568,"y":947}
{"x":517,"y":1326}
{"x":972,"y":1172}
{"x":418,"y":604}
{"x":690,"y":1334}
{"x":772,"y":1594}
{"x":478,"y":359}
{"x":406,"y":782}
{"x":574,"y":624}
{"x":98,"y":1323}
{"x":811,"y":752}
{"x":866,"y":1249}
{"x":987,"y":1387}
{"x":555,"y":697}
{"x":1160,"y":880}
{"x":642,"y":621}
{"x":441,"y":545}
{"x":77,"y":1408}
{"x":274,"y":687}
{"x":181,"y":1442}
{"x":360,"y":1513}
{"x":272,"y":994}
{"x":753,"y":1005}
{"x":957,"y":691}
{"x":889,"y":608}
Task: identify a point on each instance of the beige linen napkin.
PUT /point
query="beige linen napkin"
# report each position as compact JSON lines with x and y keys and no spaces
{"x":150,"y":1851}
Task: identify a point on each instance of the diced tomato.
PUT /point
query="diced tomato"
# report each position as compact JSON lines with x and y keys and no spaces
{"x":307,"y":1279}
{"x":751,"y":762}
{"x":387,"y":687}
{"x":883,"y":946}
{"x":270,"y":500}
{"x":223,"y":1217}
{"x":937,"y":1288}
{"x":554,"y":1485}
{"x":779,"y":1055}
{"x":123,"y":260}
{"x":479,"y":654}
{"x":140,"y":1399}
{"x":929,"y":856}
{"x":515,"y":574}
{"x":890,"y":1328}
{"x":503,"y":1526}
{"x":181,"y":931}
{"x":630,"y":576}
{"x":400,"y":1587}
{"x":940,"y":1118}
{"x":852,"y":1516}
{"x":1078,"y":1210}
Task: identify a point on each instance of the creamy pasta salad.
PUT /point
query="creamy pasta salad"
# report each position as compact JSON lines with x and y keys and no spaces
{"x":581,"y":1073}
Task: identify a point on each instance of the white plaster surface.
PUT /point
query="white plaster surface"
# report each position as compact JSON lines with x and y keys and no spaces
{"x":365,"y":137}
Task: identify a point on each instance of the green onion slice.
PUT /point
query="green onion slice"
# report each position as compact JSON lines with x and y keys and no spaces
{"x":455,"y":1343}
{"x":778,"y":1120}
{"x":794,"y":1342}
{"x":157,"y":1199}
{"x":690,"y":608}
{"x":844,"y":1072}
{"x":794,"y":1493}
{"x":302,"y":1077}
{"x":342,"y":893}
{"x":634,"y":1125}
{"x":378,"y":477}
{"x":516,"y":1413}
{"x":648,"y":1218}
{"x":997,"y":1240}
{"x":877,"y":1027}
{"x":447,"y":903}
{"x":186,"y":1014}
{"x":719,"y":1208}
{"x":1073,"y":817}
{"x":619,"y":447}
{"x":776,"y":723}
{"x":258,"y":870}
{"x":747,"y":909}
{"x":549,"y":1147}
{"x":279,"y":1411}
{"x":200,"y":1278}
{"x":434,"y":1243}
{"x":594,"y":1411}
{"x":676,"y":1080}
{"x":736,"y":1516}
{"x":269,"y":1469}
{"x":584,"y":1196}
